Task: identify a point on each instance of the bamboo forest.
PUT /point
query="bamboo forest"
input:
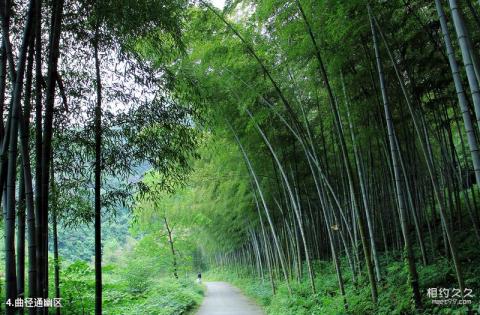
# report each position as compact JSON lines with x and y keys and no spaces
{"x":240,"y":157}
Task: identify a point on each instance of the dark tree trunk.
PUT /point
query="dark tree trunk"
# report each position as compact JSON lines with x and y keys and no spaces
{"x":98,"y":170}
{"x":56,"y":261}
{"x":38,"y":150}
{"x":10,"y":203}
{"x":172,"y":248}
{"x":57,"y":14}
{"x":21,"y":239}
{"x":21,"y":189}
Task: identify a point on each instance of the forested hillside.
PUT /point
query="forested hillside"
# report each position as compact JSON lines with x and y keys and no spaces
{"x":322,"y":156}
{"x":75,"y":241}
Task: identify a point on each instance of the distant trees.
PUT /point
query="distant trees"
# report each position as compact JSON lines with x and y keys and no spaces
{"x":162,"y":220}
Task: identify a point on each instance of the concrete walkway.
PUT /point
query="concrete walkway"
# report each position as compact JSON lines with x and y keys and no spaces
{"x":224,"y":299}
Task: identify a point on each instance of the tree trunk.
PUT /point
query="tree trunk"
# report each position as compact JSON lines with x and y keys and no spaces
{"x":22,"y":185}
{"x":462,"y":98}
{"x":172,"y":248}
{"x":468,"y":59}
{"x":265,"y":207}
{"x":362,"y":186}
{"x":38,"y":152}
{"x":10,"y":203}
{"x":395,"y":155}
{"x":21,"y":240}
{"x":267,"y":252}
{"x":57,"y":15}
{"x":421,"y":131}
{"x":27,"y":178}
{"x":293,"y":202}
{"x":98,"y":182}
{"x":3,"y":77}
{"x":348,"y":168}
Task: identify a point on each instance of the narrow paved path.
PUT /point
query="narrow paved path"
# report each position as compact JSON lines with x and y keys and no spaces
{"x":223,"y":299}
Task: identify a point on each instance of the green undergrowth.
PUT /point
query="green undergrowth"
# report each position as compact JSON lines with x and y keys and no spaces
{"x":165,"y":297}
{"x":127,"y":295}
{"x":394,"y":293}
